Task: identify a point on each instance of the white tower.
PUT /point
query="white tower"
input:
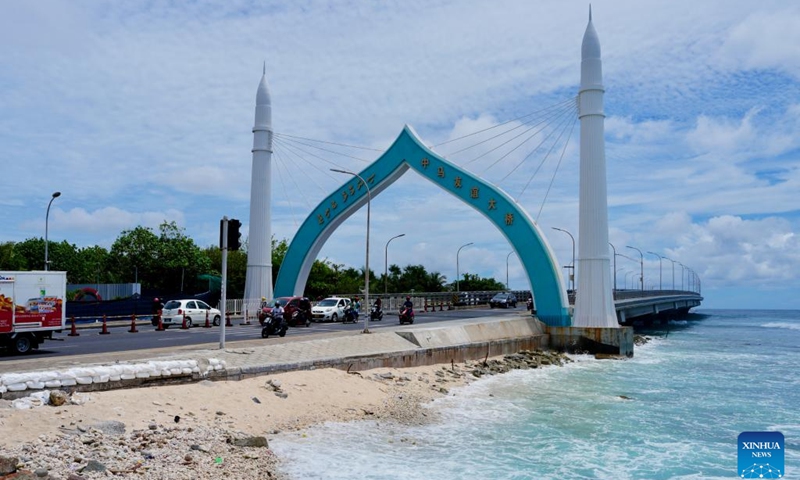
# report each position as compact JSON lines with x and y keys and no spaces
{"x":258,"y":282}
{"x":594,"y":303}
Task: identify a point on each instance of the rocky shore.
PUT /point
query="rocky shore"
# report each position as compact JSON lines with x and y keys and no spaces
{"x":179,"y":437}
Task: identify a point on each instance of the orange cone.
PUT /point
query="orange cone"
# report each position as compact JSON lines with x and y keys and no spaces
{"x":133,"y":324}
{"x":207,"y":325}
{"x":73,"y":331}
{"x":104,"y":331}
{"x":183,"y":325}
{"x":228,"y":319}
{"x":160,"y":327}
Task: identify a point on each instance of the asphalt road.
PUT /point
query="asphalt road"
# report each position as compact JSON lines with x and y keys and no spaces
{"x":89,"y":340}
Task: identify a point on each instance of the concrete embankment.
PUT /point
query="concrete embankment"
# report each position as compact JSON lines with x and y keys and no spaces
{"x":454,"y":341}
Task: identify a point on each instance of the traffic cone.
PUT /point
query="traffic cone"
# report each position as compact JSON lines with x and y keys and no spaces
{"x":441,"y":306}
{"x":160,"y":327}
{"x":133,"y":324}
{"x":426,"y":305}
{"x":73,"y":331}
{"x":104,"y":331}
{"x":228,"y":319}
{"x":207,"y":325}
{"x":183,"y":325}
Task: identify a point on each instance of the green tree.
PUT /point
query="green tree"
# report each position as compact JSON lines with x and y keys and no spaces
{"x":9,"y":259}
{"x":473,"y":282}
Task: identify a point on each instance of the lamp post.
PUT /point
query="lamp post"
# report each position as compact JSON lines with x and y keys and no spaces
{"x":641,"y":265}
{"x":366,"y":261}
{"x":683,"y":269}
{"x":615,"y":264}
{"x":386,"y":264}
{"x":507,"y":256}
{"x":659,"y":269}
{"x":572,"y":265}
{"x":626,"y":278}
{"x":46,"y":221}
{"x":457,"y":270}
{"x":673,"y":272}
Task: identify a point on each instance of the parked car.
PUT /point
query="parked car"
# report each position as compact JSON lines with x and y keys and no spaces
{"x":330,"y":309}
{"x":504,"y":300}
{"x":195,"y":311}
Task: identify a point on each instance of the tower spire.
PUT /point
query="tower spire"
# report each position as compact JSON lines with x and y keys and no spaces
{"x":594,"y":303}
{"x":258,"y":280}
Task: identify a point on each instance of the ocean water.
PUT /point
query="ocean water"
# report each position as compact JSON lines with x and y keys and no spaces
{"x":690,"y":392}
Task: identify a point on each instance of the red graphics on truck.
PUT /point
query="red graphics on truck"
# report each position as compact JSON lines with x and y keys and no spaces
{"x":25,"y":302}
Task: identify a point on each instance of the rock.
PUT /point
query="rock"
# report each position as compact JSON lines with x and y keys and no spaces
{"x":248,"y":441}
{"x":58,"y":398}
{"x":276,"y":384}
{"x":110,"y":427}
{"x":386,"y":375}
{"x":282,"y":394}
{"x":73,"y":476}
{"x":41,"y":472}
{"x":8,"y":464}
{"x":153,"y":426}
{"x":93,"y":466}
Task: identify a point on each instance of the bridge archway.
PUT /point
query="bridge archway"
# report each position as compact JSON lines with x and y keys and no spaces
{"x":406,"y":152}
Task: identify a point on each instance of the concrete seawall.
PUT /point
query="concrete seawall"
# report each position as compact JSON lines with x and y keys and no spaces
{"x":455,"y":341}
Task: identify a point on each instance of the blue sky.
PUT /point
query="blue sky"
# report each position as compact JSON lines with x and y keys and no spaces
{"x":140,"y":112}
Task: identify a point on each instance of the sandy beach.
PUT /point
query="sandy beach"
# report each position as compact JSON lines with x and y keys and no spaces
{"x":220,"y":429}
{"x":185,"y":431}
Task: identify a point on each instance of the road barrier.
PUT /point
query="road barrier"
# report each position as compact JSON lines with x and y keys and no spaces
{"x":133,"y":324}
{"x":104,"y":331}
{"x":74,"y":331}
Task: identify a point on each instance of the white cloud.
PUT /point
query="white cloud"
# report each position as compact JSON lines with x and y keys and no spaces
{"x":764,"y":40}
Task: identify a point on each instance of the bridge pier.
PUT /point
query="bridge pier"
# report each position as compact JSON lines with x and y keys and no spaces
{"x":608,"y":340}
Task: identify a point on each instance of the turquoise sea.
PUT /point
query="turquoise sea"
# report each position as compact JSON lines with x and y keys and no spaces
{"x":673,"y":411}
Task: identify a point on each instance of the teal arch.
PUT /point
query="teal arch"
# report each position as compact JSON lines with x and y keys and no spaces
{"x":406,"y":152}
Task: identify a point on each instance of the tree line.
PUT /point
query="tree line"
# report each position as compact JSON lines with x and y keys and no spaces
{"x":167,"y":261}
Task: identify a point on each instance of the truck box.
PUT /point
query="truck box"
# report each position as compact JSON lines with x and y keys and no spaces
{"x":31,"y":307}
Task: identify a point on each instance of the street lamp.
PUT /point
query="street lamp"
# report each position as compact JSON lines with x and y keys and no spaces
{"x":641,"y":265}
{"x":366,"y":262}
{"x":386,"y":263}
{"x":509,"y":254}
{"x":615,"y":264}
{"x":46,"y":220}
{"x":457,"y":270}
{"x":659,"y":268}
{"x":572,"y":265}
{"x":626,"y":278}
{"x":673,"y":272}
{"x":683,"y":269}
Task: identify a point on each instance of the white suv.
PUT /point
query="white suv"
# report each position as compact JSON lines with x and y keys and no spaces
{"x":330,"y":310}
{"x":195,"y":311}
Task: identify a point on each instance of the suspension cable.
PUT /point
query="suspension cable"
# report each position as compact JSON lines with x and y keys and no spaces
{"x":547,"y":121}
{"x":294,"y":182}
{"x":289,"y":149}
{"x":519,"y":164}
{"x":566,"y":113}
{"x":285,"y":193}
{"x":330,"y":143}
{"x":553,"y":106}
{"x":553,"y":178}
{"x":326,"y":150}
{"x":543,"y":160}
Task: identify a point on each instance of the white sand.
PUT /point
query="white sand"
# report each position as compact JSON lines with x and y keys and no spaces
{"x":314,"y":396}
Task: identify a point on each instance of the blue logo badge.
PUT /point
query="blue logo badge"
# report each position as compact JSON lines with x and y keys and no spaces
{"x":761,"y":455}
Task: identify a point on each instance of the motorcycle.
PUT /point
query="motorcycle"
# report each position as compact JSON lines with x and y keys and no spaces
{"x":376,"y":314}
{"x":350,"y":315}
{"x":301,"y":317}
{"x":273,"y":326}
{"x":406,"y":315}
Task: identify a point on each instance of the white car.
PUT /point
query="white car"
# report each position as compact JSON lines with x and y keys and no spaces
{"x":195,"y":311}
{"x":330,"y":310}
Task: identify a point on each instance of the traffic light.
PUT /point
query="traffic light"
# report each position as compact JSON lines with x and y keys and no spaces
{"x":233,"y":234}
{"x":234,"y":242}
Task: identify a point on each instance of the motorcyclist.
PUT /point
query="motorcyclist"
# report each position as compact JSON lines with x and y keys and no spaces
{"x":156,"y":309}
{"x":277,"y":314}
{"x":378,"y":303}
{"x":408,"y":305}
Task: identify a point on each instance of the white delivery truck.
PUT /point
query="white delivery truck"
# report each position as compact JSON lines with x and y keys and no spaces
{"x":31,"y":308}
